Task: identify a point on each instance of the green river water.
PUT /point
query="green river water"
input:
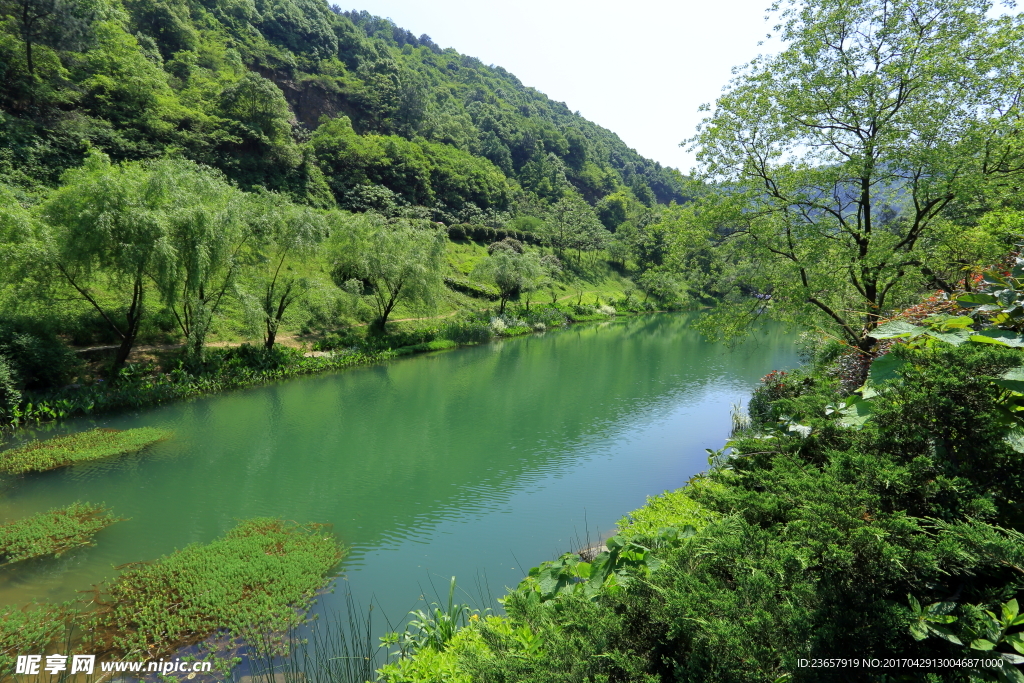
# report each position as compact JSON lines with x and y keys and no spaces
{"x":480,"y":462}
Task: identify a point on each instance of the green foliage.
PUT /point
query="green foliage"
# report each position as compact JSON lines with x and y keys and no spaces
{"x":467,"y":330}
{"x":835,"y":190}
{"x":998,"y":303}
{"x":451,"y":181}
{"x":36,"y":358}
{"x":992,"y":631}
{"x":61,"y":451}
{"x":432,"y":629}
{"x":622,"y":562}
{"x":512,"y":273}
{"x":10,"y":397}
{"x":186,"y":596}
{"x":32,"y":628}
{"x":53,"y":533}
{"x":398,"y":262}
{"x":671,"y":509}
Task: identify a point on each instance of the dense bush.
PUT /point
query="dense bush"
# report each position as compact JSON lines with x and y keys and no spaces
{"x":9,"y":394}
{"x":39,"y":359}
{"x":774,"y":386}
{"x":467,"y":330}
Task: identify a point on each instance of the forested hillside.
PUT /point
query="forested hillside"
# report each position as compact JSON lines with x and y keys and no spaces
{"x":332,"y":108}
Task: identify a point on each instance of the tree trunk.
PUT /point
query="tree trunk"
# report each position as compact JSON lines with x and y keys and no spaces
{"x":134,"y":316}
{"x":268,"y":343}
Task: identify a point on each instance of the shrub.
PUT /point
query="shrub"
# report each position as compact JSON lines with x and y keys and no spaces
{"x":468,"y":330}
{"x":10,"y":397}
{"x":774,"y":386}
{"x":39,"y":359}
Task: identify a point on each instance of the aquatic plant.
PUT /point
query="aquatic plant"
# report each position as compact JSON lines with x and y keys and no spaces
{"x":53,"y":532}
{"x":30,"y":629}
{"x":39,"y":456}
{"x":259,"y":579}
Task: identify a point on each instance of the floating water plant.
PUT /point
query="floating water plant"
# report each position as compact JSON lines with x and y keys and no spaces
{"x":259,"y":579}
{"x":53,"y":533}
{"x":30,"y":629}
{"x":39,"y":456}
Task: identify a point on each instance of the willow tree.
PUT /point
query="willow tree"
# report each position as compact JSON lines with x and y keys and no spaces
{"x":107,"y":237}
{"x":831,"y":163}
{"x":208,"y":228}
{"x":513,"y":273}
{"x":391,"y":261}
{"x":285,"y":236}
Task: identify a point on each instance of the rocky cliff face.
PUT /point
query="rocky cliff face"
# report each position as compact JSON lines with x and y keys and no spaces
{"x":310,"y":98}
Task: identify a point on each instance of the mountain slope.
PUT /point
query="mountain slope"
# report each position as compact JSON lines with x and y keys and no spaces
{"x":247,"y":85}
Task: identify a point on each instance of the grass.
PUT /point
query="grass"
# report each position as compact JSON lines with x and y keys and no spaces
{"x":259,"y":579}
{"x":53,"y":533}
{"x":40,"y":456}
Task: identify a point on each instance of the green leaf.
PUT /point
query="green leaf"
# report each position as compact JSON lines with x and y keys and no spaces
{"x":942,"y":609}
{"x":954,"y":337}
{"x":975,"y":299}
{"x":1016,"y":641}
{"x":982,"y":644}
{"x":897,"y":328}
{"x":1012,"y":379}
{"x":1010,"y":609}
{"x":1012,"y":658}
{"x":945,"y":323}
{"x":944,"y":633}
{"x":1010,"y":674}
{"x":548,"y":582}
{"x":856,"y":414}
{"x":1001,"y":337}
{"x":885,"y":369}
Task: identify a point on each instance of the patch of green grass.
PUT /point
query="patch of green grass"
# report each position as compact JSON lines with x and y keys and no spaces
{"x":30,"y":630}
{"x":435,"y":345}
{"x":670,"y":509}
{"x":53,"y":533}
{"x":39,"y":456}
{"x":258,"y":579}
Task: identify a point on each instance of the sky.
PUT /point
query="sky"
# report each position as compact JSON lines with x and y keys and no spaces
{"x":640,"y":68}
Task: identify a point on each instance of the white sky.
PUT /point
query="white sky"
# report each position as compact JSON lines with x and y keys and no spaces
{"x":639,"y":68}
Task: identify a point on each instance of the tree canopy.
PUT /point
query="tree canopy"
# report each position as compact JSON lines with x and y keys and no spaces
{"x":833,"y":161}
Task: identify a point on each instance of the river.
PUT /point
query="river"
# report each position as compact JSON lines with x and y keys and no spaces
{"x":477,"y":463}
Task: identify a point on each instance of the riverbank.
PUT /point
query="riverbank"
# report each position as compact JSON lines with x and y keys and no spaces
{"x":815,"y":534}
{"x":225,"y":368}
{"x":443,"y":465}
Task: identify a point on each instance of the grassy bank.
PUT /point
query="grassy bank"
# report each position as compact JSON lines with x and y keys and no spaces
{"x":146,"y":384}
{"x":817,"y":534}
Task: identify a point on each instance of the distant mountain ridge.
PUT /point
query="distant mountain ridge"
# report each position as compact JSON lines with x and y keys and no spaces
{"x":246,"y":86}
